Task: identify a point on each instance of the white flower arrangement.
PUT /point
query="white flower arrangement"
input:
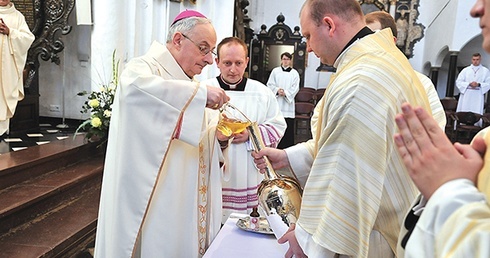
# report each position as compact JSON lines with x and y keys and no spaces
{"x":99,"y":105}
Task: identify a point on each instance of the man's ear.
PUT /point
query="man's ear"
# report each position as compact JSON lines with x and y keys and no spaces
{"x":177,"y":39}
{"x":329,"y":22}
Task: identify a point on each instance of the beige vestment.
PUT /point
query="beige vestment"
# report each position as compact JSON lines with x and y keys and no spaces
{"x":357,"y":182}
{"x":13,"y":56}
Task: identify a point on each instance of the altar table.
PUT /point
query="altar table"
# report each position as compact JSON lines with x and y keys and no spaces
{"x":234,"y":242}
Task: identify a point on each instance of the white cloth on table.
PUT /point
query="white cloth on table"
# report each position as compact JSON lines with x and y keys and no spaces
{"x":234,"y":242}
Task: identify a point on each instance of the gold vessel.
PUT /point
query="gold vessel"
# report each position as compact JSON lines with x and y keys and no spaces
{"x":232,"y":120}
{"x":276,"y":192}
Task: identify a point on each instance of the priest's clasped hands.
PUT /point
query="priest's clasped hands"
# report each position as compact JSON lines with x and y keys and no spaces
{"x":4,"y":29}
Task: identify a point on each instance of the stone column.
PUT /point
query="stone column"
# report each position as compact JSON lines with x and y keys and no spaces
{"x":434,"y":75}
{"x":451,"y":74}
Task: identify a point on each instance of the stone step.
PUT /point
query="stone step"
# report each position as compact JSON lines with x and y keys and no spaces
{"x":62,"y":233}
{"x":23,"y":202}
{"x":19,"y":166}
{"x":49,"y":199}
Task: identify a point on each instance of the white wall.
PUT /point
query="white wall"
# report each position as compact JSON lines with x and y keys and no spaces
{"x":449,"y":28}
{"x":447,"y":22}
{"x":72,"y":73}
{"x":129,"y":26}
{"x":448,"y":25}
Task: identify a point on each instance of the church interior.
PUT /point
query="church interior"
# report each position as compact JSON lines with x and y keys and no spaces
{"x":50,"y":174}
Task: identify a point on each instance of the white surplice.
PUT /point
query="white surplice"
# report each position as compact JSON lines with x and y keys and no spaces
{"x":13,"y":56}
{"x":259,"y":104}
{"x":162,"y":164}
{"x":289,"y":82}
{"x":472,"y":99}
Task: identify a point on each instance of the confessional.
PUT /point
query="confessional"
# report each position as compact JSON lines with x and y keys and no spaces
{"x":48,"y":21}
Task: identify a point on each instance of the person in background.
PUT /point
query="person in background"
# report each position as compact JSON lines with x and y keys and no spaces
{"x":453,"y":217}
{"x":379,"y":20}
{"x":473,"y":82}
{"x":15,"y":40}
{"x":259,"y":104}
{"x":284,"y":83}
{"x":357,"y":189}
{"x":161,"y":189}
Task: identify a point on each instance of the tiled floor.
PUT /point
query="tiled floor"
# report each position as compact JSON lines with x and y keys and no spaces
{"x":47,"y":132}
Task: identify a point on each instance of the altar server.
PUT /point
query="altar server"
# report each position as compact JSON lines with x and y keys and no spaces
{"x":259,"y":104}
{"x":473,"y":82}
{"x":284,"y":83}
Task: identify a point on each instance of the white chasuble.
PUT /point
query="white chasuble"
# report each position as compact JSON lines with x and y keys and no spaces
{"x":466,"y":233}
{"x":161,"y":190}
{"x":357,"y":182}
{"x":13,"y":56}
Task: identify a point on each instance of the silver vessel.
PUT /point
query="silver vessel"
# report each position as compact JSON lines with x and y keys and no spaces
{"x":279,"y":192}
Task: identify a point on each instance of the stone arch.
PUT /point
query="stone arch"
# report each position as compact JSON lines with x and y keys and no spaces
{"x":441,"y":55}
{"x":426,"y":68}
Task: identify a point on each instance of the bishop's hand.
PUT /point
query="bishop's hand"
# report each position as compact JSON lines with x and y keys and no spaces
{"x":216,"y":97}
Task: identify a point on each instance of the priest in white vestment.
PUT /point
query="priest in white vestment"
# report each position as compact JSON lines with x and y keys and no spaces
{"x":473,"y":82}
{"x":357,"y":189}
{"x":15,"y":40}
{"x":259,"y":104}
{"x":161,"y":190}
{"x":284,"y":83}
